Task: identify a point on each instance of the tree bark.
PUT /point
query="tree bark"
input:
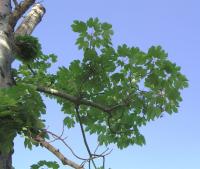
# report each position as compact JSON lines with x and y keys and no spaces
{"x":31,"y":20}
{"x":58,"y":154}
{"x":5,"y":65}
{"x":8,"y":19}
{"x":5,"y":44}
{"x":6,"y":161}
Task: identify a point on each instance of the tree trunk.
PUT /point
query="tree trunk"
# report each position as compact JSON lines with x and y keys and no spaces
{"x":6,"y":45}
{"x":6,"y":161}
{"x":5,"y":65}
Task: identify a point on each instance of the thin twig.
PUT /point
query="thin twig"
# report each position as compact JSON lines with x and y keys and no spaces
{"x":63,"y":141}
{"x":89,"y":165}
{"x":104,"y":162}
{"x":96,"y":148}
{"x":32,"y":71}
{"x":84,"y":136}
{"x":57,"y":137}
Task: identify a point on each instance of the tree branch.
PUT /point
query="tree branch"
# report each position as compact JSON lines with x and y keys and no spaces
{"x":71,"y":98}
{"x":84,"y":136}
{"x":63,"y":141}
{"x":20,"y":10}
{"x":32,"y":19}
{"x":75,"y":99}
{"x":57,"y":153}
{"x":92,"y":156}
{"x":83,"y":133}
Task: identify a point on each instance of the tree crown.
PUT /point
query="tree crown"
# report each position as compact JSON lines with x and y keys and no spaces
{"x":109,"y":92}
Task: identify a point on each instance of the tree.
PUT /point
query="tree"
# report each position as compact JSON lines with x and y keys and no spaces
{"x":110,"y":92}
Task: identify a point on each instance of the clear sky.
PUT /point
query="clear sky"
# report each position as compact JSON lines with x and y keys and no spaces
{"x":172,"y":142}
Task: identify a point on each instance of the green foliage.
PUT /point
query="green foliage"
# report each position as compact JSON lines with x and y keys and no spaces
{"x":36,"y":72}
{"x":49,"y":164}
{"x":20,"y":110}
{"x":23,"y":101}
{"x":92,"y":34}
{"x":140,"y":85}
{"x":69,"y":122}
{"x":28,"y":48}
{"x":146,"y":83}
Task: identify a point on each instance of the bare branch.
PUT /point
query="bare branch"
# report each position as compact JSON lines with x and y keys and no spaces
{"x":56,"y":137}
{"x":103,"y":154}
{"x":20,"y":10}
{"x":96,"y":148}
{"x":85,"y":160}
{"x":63,"y":141}
{"x":57,"y":153}
{"x":104,"y":161}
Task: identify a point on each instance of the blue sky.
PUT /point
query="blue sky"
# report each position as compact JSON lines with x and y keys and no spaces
{"x":172,"y":142}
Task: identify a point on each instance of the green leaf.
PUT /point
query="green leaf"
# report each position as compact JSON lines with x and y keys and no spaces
{"x":49,"y":164}
{"x":123,"y":50}
{"x":69,"y":122}
{"x":79,"y":26}
{"x":106,"y":26}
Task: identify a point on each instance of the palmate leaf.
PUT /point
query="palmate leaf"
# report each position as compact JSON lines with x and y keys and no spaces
{"x":142,"y":85}
{"x":146,"y":82}
{"x":69,"y":122}
{"x":49,"y":164}
{"x":79,"y":26}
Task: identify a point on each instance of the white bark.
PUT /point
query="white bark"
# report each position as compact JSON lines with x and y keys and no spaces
{"x":26,"y":27}
{"x":20,"y":10}
{"x":5,"y":60}
{"x":31,"y":20}
{"x":5,"y":7}
{"x":5,"y":44}
{"x":5,"y":64}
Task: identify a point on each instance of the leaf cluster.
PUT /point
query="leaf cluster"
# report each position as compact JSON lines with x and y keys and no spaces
{"x":49,"y":164}
{"x":28,"y":48}
{"x":139,"y":86}
{"x":20,"y":111}
{"x":142,"y":85}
